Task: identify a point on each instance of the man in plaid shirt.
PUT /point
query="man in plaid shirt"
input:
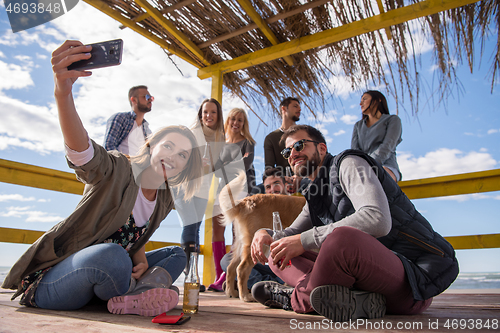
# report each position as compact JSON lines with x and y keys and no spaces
{"x":127,"y":131}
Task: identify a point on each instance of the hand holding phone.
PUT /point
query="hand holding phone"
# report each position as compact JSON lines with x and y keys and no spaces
{"x":103,"y":54}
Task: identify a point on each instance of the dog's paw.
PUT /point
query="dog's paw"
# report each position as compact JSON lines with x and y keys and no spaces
{"x":231,"y":293}
{"x":249,"y":298}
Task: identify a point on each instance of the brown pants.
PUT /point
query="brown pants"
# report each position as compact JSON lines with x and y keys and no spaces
{"x":351,"y":258}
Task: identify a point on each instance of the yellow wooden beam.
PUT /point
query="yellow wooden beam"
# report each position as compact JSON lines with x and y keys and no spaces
{"x":381,"y":21}
{"x":257,"y":19}
{"x":217,"y":85}
{"x":170,"y":27}
{"x":489,"y":241}
{"x":19,"y":236}
{"x":23,"y":236}
{"x":103,"y":7}
{"x":166,"y":10}
{"x":473,"y":182}
{"x":272,"y":19}
{"x":381,"y":10}
{"x":35,"y":176}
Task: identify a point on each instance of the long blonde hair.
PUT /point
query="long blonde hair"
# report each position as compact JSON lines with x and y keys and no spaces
{"x":245,"y":130}
{"x":189,"y":178}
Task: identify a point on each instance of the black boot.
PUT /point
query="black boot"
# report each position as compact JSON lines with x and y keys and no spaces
{"x":188,"y":248}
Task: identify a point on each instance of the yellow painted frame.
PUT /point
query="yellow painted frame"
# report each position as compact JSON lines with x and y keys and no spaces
{"x":377,"y":22}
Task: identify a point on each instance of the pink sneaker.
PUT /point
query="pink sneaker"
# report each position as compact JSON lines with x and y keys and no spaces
{"x":150,"y":303}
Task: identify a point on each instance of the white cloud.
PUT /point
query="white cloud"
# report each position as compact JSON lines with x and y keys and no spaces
{"x":30,"y":215}
{"x":327,"y":117}
{"x":466,"y":197}
{"x":492,"y":131}
{"x":443,"y":162}
{"x":339,"y":133}
{"x":15,"y":197}
{"x":19,"y":76}
{"x":36,"y":127}
{"x":29,"y":126}
{"x":349,"y":119}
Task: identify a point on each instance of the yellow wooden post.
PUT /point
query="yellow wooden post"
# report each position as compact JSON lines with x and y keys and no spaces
{"x":208,"y":260}
{"x":217,"y":85}
{"x":208,"y":256}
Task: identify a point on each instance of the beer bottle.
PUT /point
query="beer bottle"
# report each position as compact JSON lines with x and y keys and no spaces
{"x":278,"y":232}
{"x":191,"y":286}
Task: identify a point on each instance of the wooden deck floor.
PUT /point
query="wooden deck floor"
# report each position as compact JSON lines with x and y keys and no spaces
{"x":220,"y":314}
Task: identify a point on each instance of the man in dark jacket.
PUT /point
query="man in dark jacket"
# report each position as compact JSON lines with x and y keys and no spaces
{"x":359,"y":248}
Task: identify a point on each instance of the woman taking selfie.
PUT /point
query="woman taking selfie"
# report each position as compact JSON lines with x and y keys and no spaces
{"x":99,"y":250}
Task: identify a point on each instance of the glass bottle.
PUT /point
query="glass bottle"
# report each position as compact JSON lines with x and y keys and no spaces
{"x":191,"y":286}
{"x":278,"y":232}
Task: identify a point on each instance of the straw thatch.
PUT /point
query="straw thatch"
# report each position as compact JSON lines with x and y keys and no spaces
{"x":370,"y":59}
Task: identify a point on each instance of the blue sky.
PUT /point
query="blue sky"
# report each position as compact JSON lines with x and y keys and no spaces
{"x":461,"y":136}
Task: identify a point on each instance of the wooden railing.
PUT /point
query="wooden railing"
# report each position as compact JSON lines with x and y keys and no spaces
{"x":474,"y":182}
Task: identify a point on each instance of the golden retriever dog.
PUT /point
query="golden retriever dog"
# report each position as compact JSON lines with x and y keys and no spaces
{"x":249,"y":215}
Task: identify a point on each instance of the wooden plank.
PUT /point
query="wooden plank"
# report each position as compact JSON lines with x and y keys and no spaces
{"x":145,"y":33}
{"x":38,"y":177}
{"x":465,"y":183}
{"x":257,"y":19}
{"x":346,"y":31}
{"x":19,"y":236}
{"x":166,"y":10}
{"x":269,"y":20}
{"x":23,"y":236}
{"x":170,"y":27}
{"x":488,"y":241}
{"x":217,"y":86}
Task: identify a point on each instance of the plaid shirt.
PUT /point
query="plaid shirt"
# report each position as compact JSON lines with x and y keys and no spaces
{"x":119,"y":126}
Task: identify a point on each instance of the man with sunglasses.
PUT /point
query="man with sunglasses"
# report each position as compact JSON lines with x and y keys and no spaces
{"x":359,"y":248}
{"x":127,"y":131}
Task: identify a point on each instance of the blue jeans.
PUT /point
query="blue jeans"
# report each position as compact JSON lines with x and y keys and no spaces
{"x":102,"y":270}
{"x":191,"y":214}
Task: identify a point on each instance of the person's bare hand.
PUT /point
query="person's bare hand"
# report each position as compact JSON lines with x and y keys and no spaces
{"x":139,"y":269}
{"x":69,"y":52}
{"x":260,"y":238}
{"x":292,"y":184}
{"x":285,"y":249}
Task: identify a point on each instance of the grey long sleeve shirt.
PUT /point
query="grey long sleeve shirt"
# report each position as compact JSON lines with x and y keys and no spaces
{"x":372,"y":213}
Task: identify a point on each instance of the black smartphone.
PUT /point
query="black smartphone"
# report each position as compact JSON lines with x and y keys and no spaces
{"x":103,"y":54}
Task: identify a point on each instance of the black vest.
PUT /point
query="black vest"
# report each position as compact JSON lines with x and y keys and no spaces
{"x":429,"y":260}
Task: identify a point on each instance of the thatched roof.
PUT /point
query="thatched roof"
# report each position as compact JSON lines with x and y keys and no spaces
{"x":208,"y":32}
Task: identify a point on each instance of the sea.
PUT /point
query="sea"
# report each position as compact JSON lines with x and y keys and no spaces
{"x":489,"y":280}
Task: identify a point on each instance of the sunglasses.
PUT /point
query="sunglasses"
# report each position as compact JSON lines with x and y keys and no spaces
{"x":298,"y":146}
{"x":149,"y":97}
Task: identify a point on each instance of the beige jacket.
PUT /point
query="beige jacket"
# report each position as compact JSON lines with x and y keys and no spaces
{"x":104,"y":208}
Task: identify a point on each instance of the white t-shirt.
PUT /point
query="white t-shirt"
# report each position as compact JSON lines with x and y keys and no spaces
{"x":133,"y":142}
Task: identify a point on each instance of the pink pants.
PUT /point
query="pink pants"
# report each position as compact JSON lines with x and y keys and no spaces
{"x":351,"y":258}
